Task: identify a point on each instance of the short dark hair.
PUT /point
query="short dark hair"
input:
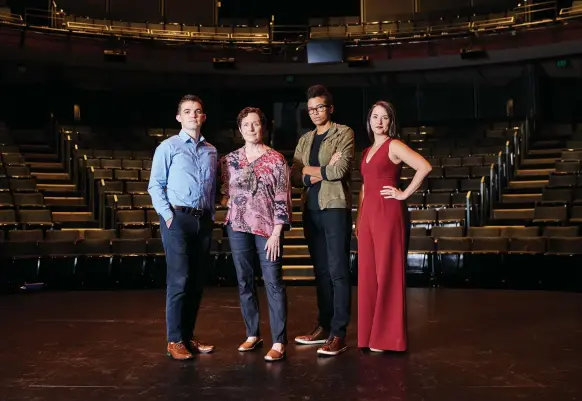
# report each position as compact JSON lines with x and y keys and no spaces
{"x":393,"y":124}
{"x":250,"y":110}
{"x":320,"y":91}
{"x":189,"y":98}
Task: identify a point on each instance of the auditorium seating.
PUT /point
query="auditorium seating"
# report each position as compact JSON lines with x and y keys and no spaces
{"x":453,"y":235}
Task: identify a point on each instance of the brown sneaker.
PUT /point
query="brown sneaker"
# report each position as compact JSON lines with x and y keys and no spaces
{"x":197,"y":346}
{"x":316,"y":336}
{"x":333,"y":346}
{"x":179,"y":352}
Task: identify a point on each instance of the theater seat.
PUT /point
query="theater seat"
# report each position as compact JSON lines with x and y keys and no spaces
{"x":94,"y":262}
{"x":129,"y":262}
{"x":156,"y":263}
{"x":58,"y":259}
{"x":22,"y":256}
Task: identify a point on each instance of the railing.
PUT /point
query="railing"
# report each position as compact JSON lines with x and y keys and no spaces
{"x":12,"y":19}
{"x":570,"y":13}
{"x":530,"y":13}
{"x":525,"y":15}
{"x":469,"y":209}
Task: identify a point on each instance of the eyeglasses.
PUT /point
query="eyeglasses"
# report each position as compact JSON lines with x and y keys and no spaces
{"x":319,"y":109}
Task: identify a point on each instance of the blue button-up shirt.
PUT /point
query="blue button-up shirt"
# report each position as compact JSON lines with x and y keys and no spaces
{"x":183,"y":174}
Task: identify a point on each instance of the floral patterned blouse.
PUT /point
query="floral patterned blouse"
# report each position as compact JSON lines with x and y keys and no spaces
{"x":259,"y":192}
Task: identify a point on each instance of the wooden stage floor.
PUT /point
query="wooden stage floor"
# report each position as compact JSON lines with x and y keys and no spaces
{"x":464,"y":345}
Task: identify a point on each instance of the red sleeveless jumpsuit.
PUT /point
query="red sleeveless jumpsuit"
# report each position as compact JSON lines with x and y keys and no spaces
{"x":381,"y":257}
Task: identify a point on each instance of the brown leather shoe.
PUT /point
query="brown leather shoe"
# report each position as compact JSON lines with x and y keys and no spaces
{"x":250,"y":345}
{"x":273,"y":355}
{"x":179,"y":352}
{"x":197,"y":346}
{"x":333,"y":346}
{"x":316,"y":336}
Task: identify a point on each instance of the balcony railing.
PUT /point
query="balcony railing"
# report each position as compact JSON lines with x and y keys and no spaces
{"x":523,"y":16}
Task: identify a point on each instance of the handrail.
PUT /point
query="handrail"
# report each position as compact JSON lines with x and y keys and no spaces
{"x":11,"y":19}
{"x":570,"y":13}
{"x":483,"y":201}
{"x":508,"y":163}
{"x":468,"y":209}
{"x":492,"y":188}
{"x":500,"y":175}
{"x":101,"y":204}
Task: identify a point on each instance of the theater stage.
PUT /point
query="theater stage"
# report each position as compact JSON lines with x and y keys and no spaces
{"x":464,"y":345}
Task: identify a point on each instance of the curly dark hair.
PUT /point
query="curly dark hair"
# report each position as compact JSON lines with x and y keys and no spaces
{"x":393,"y":124}
{"x":250,"y":110}
{"x":320,"y":91}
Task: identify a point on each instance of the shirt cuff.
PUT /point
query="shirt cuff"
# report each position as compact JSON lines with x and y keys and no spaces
{"x":324,"y":173}
{"x":167,"y":215}
{"x":307,"y":180}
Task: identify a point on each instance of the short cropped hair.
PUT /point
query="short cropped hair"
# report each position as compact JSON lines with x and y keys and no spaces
{"x":189,"y":98}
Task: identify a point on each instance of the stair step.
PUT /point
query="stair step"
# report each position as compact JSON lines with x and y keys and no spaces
{"x":299,"y":279}
{"x":64,"y":201}
{"x":56,"y":187}
{"x":528,"y":184}
{"x":36,"y":148}
{"x":548,"y":144}
{"x":298,"y":270}
{"x":72,"y":216}
{"x":534,"y":172}
{"x":513,"y":214}
{"x":79,"y":225}
{"x":521,"y":198}
{"x":46,"y":176}
{"x":545,"y":153}
{"x":295,"y":251}
{"x":540,"y":162}
{"x":49,"y":167}
{"x":41,"y":157}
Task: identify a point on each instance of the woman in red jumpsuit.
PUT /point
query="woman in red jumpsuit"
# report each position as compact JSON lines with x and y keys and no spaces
{"x":381,"y":233}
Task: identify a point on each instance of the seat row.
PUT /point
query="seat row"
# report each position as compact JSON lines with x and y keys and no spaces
{"x":125,"y":164}
{"x":10,"y":200}
{"x":115,"y":153}
{"x":543,"y":215}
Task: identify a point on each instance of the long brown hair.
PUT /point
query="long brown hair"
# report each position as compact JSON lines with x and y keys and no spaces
{"x":392,"y":124}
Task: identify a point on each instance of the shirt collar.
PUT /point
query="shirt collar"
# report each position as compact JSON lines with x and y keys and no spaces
{"x":185,"y":137}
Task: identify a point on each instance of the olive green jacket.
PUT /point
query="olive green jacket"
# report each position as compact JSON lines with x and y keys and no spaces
{"x":335,"y":186}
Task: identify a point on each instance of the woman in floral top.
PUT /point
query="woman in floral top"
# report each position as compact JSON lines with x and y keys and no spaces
{"x":256,"y":190}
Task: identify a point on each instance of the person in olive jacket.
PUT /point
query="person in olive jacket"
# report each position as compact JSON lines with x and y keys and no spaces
{"x":321,"y":166}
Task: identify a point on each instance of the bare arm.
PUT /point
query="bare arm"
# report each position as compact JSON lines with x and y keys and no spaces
{"x":400,"y":152}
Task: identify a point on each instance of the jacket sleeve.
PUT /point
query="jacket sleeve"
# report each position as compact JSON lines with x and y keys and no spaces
{"x":297,"y":167}
{"x":339,"y":170}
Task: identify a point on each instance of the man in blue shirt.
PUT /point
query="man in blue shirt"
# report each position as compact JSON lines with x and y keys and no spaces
{"x":182,"y":186}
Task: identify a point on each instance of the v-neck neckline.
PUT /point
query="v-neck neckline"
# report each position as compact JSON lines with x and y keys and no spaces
{"x":246,"y":158}
{"x":377,"y":150}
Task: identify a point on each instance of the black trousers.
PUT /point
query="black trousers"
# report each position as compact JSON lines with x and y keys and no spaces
{"x":328,"y":237}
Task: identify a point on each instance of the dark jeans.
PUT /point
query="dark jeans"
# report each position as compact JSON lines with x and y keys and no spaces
{"x":187,"y":247}
{"x":244,"y":247}
{"x":328,"y":238}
